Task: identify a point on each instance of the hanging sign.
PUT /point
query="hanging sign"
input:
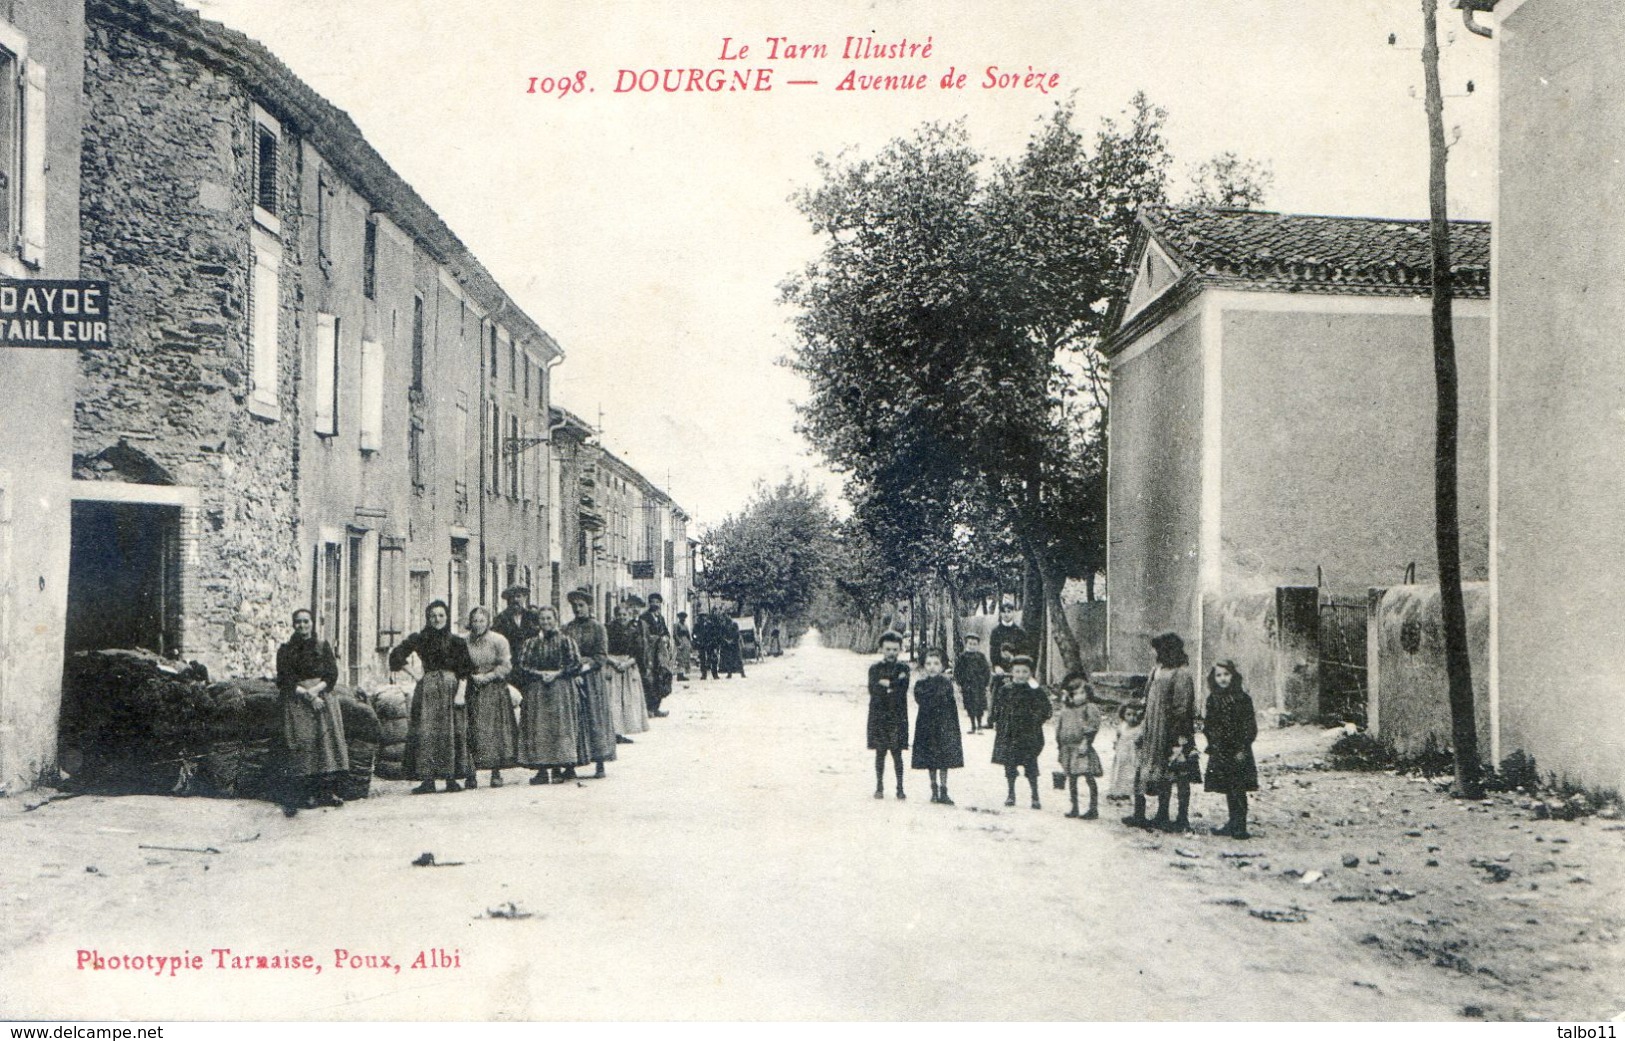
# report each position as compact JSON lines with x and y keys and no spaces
{"x":51,"y":312}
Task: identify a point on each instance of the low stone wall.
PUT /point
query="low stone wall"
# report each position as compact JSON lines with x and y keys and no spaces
{"x":1408,"y":698}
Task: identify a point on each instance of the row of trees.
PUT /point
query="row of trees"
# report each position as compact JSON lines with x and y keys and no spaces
{"x":949,"y":334}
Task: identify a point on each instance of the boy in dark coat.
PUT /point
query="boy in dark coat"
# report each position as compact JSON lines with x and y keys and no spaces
{"x":937,"y":747}
{"x":972,"y":672}
{"x":1006,"y":642}
{"x":1024,"y":708}
{"x":1231,"y":728}
{"x":888,"y":712}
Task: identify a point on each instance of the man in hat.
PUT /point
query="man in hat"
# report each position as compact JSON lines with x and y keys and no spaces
{"x":518,"y":621}
{"x":1007,"y":642}
{"x":1168,"y":742}
{"x":597,"y":724}
{"x":657,"y":677}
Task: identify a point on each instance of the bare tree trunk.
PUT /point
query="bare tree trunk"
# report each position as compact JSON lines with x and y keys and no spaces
{"x":1458,"y":666}
{"x":953,"y":644}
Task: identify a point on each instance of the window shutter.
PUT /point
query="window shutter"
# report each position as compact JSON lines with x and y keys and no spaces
{"x":265,"y":303}
{"x":33,"y":162}
{"x":372,"y":395}
{"x":326,"y":360}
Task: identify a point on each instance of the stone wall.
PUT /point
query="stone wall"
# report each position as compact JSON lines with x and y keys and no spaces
{"x":1408,"y":697}
{"x":166,"y":219}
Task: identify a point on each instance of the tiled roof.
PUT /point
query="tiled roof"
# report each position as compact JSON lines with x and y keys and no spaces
{"x":1250,"y":249}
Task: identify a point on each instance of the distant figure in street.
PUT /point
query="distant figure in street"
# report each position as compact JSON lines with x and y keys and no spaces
{"x":888,"y":712}
{"x":592,"y":643}
{"x":1231,"y":728}
{"x":1168,"y":746}
{"x":493,"y":735}
{"x":937,"y":745}
{"x":775,"y":647}
{"x":517,"y":622}
{"x":627,"y":706}
{"x":550,"y":738}
{"x":683,"y":645}
{"x":732,"y":654}
{"x":437,"y":731}
{"x":1075,"y":728}
{"x":972,"y":672}
{"x":659,"y":660}
{"x":1007,"y":641}
{"x":1020,"y":736}
{"x":312,"y":725}
{"x":1126,"y":781}
{"x":708,"y":642}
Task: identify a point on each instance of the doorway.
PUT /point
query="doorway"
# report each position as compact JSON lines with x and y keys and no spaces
{"x":123,"y":577}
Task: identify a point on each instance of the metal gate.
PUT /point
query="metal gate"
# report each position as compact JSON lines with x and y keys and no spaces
{"x":1343,"y":684}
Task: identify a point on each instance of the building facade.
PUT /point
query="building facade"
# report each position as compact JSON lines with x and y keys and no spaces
{"x":619,"y":534}
{"x":1272,"y":423}
{"x":42,"y":61}
{"x":1558,"y":663}
{"x":321,"y":398}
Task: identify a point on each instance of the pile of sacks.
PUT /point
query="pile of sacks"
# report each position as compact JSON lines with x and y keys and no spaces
{"x":135,"y":722}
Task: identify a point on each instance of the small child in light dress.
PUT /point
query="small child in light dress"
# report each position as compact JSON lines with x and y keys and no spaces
{"x":1126,"y":782}
{"x":1075,"y":728}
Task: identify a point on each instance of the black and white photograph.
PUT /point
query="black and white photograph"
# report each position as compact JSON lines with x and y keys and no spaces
{"x":878,"y":511}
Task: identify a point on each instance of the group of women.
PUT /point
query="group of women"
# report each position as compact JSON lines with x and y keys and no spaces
{"x":577,"y":690}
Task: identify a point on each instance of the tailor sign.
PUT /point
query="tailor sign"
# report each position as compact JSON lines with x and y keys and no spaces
{"x":50,"y":312}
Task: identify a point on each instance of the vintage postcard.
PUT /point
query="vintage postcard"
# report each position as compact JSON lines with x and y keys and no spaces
{"x":485,"y":488}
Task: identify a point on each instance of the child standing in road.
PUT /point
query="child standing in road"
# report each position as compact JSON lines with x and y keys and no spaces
{"x":1231,"y":729}
{"x":1126,"y":756}
{"x":888,"y":712}
{"x":973,"y":672}
{"x":1020,"y":738}
{"x":937,"y":746}
{"x":1075,"y":728}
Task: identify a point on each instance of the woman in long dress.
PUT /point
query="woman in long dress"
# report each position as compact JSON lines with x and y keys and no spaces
{"x":312,"y":725}
{"x":493,"y":735}
{"x":1168,"y":745}
{"x":626,"y":700}
{"x":597,"y":721}
{"x":437,"y":731}
{"x":550,"y":738}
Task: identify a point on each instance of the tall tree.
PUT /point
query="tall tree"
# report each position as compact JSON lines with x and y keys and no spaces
{"x":1447,"y":521}
{"x":1227,"y":181}
{"x":775,"y":554}
{"x":948,"y":330}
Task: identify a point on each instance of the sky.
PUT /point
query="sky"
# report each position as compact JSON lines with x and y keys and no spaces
{"x":648,"y":232}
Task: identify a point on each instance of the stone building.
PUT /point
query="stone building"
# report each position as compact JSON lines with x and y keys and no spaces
{"x":618,"y":533}
{"x":1272,"y":428}
{"x":578,"y":521}
{"x":321,"y":398}
{"x":42,"y":60}
{"x":1557,"y":658}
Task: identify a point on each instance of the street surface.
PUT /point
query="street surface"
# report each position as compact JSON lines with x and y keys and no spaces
{"x":735,"y":865}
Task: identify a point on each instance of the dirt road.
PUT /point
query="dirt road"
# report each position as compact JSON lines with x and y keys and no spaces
{"x":735,"y":865}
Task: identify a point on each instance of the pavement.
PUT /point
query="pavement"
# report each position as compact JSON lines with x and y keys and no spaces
{"x":735,"y":865}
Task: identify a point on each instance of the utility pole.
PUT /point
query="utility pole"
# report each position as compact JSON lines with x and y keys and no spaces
{"x":1447,"y":521}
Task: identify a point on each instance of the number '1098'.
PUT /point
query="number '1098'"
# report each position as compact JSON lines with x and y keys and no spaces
{"x":563,"y":86}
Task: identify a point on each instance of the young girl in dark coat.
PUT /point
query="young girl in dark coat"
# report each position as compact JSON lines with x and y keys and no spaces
{"x":1231,"y":728}
{"x":937,"y":747}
